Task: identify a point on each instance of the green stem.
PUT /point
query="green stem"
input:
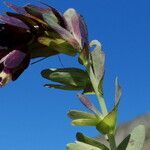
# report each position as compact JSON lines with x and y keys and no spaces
{"x":95,"y":84}
{"x":103,"y":105}
{"x":112,"y":142}
{"x":95,"y":87}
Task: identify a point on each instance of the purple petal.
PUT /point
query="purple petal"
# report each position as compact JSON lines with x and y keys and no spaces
{"x":86,"y":102}
{"x":17,"y":9}
{"x":77,"y":26}
{"x":13,"y":21}
{"x":65,"y":34}
{"x":19,"y":70}
{"x":22,"y":11}
{"x":14,"y":59}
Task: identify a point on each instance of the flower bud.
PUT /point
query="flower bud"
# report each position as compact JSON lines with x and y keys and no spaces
{"x":12,"y":64}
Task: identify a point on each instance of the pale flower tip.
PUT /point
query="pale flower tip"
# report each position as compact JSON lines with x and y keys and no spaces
{"x":5,"y":78}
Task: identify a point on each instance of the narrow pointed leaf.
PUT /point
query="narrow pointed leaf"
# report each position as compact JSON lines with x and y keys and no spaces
{"x":137,"y":138}
{"x":123,"y":145}
{"x":85,"y":122}
{"x":75,"y":114}
{"x":85,"y":139}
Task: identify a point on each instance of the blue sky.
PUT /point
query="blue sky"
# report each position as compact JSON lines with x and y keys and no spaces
{"x":34,"y":118}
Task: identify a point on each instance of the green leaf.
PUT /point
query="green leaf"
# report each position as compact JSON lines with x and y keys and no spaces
{"x":70,"y":78}
{"x":67,"y":76}
{"x":81,"y":118}
{"x":137,"y":138}
{"x":85,"y":139}
{"x":75,"y":114}
{"x":85,"y":122}
{"x":108,"y":124}
{"x":81,"y":146}
{"x":123,"y":145}
{"x":97,"y":60}
{"x":58,"y":45}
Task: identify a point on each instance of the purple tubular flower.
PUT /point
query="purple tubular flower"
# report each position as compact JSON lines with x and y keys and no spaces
{"x":12,"y":64}
{"x":75,"y":32}
{"x":13,"y":21}
{"x":70,"y":26}
{"x":31,"y":21}
{"x":77,"y":26}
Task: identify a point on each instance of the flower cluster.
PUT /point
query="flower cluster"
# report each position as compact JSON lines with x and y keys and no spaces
{"x":33,"y":31}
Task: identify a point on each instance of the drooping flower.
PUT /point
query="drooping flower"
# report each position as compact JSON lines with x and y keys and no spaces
{"x":34,"y":31}
{"x":12,"y":64}
{"x":14,"y":54}
{"x":48,"y":23}
{"x":18,"y":43}
{"x":75,"y":31}
{"x":77,"y":27}
{"x":53,"y":37}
